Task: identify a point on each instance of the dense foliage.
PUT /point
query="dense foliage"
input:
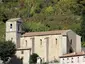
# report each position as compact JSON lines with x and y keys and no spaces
{"x":33,"y":58}
{"x":34,"y":26}
{"x":7,"y":50}
{"x":43,"y":15}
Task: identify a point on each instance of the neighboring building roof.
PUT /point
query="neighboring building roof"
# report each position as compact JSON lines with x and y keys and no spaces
{"x":57,"y":32}
{"x":73,"y":54}
{"x":14,"y":19}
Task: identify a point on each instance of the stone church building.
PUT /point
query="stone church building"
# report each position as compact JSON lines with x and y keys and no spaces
{"x":49,"y":45}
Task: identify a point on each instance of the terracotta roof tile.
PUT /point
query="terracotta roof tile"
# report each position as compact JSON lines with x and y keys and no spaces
{"x":73,"y":54}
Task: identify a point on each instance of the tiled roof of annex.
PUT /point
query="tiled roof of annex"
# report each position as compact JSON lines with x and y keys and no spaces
{"x":73,"y":54}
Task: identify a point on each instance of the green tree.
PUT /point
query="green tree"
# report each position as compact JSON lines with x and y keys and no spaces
{"x":33,"y":58}
{"x":83,"y":28}
{"x":9,"y":0}
{"x":7,"y":50}
{"x":34,"y":26}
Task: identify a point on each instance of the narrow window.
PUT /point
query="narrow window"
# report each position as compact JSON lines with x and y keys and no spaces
{"x":21,"y":59}
{"x":40,"y":41}
{"x":67,"y":60}
{"x":71,"y":42}
{"x":56,"y":41}
{"x":22,"y":52}
{"x":26,"y":43}
{"x":78,"y":59}
{"x":63,"y":60}
{"x":10,"y":26}
{"x":33,"y":44}
{"x":47,"y":48}
{"x":84,"y":59}
{"x":72,"y":60}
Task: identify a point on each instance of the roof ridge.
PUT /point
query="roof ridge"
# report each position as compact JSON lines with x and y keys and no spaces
{"x":49,"y":31}
{"x":44,"y":33}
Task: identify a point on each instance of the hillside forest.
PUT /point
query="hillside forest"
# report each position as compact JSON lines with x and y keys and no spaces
{"x":44,"y":15}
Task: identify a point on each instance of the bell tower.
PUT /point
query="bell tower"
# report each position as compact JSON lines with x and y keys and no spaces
{"x":13,"y":31}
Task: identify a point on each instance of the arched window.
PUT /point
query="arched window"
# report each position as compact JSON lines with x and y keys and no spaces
{"x":78,"y":59}
{"x":71,"y":50}
{"x":56,"y":41}
{"x":71,"y":42}
{"x":72,"y":60}
{"x":26,"y":43}
{"x":33,"y":43}
{"x":10,"y":26}
{"x":22,"y":52}
{"x":40,"y":41}
{"x":21,"y":60}
{"x":67,"y":60}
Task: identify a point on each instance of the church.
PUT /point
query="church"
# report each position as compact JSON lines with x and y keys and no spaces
{"x":49,"y":45}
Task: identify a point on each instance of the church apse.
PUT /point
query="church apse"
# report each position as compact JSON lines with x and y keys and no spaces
{"x":71,"y":42}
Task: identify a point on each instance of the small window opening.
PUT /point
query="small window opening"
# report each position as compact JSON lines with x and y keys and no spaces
{"x":40,"y":41}
{"x":72,"y":60}
{"x":21,"y":60}
{"x":56,"y":41}
{"x":71,"y":50}
{"x":10,"y":26}
{"x":78,"y":59}
{"x":26,"y":42}
{"x":22,"y":52}
{"x":71,"y":42}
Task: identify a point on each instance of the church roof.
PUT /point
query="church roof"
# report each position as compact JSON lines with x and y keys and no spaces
{"x":55,"y":32}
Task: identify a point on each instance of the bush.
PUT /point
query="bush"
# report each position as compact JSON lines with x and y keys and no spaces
{"x":33,"y":58}
{"x":7,"y":50}
{"x":34,"y":26}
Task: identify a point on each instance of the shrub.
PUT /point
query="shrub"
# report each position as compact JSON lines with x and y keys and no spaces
{"x":33,"y":58}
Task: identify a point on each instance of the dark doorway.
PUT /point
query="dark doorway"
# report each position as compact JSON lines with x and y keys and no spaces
{"x":70,"y":50}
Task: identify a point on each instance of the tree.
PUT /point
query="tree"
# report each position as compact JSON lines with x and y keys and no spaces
{"x":7,"y":50}
{"x":33,"y":58}
{"x":9,"y":0}
{"x":83,"y":28}
{"x":34,"y":26}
